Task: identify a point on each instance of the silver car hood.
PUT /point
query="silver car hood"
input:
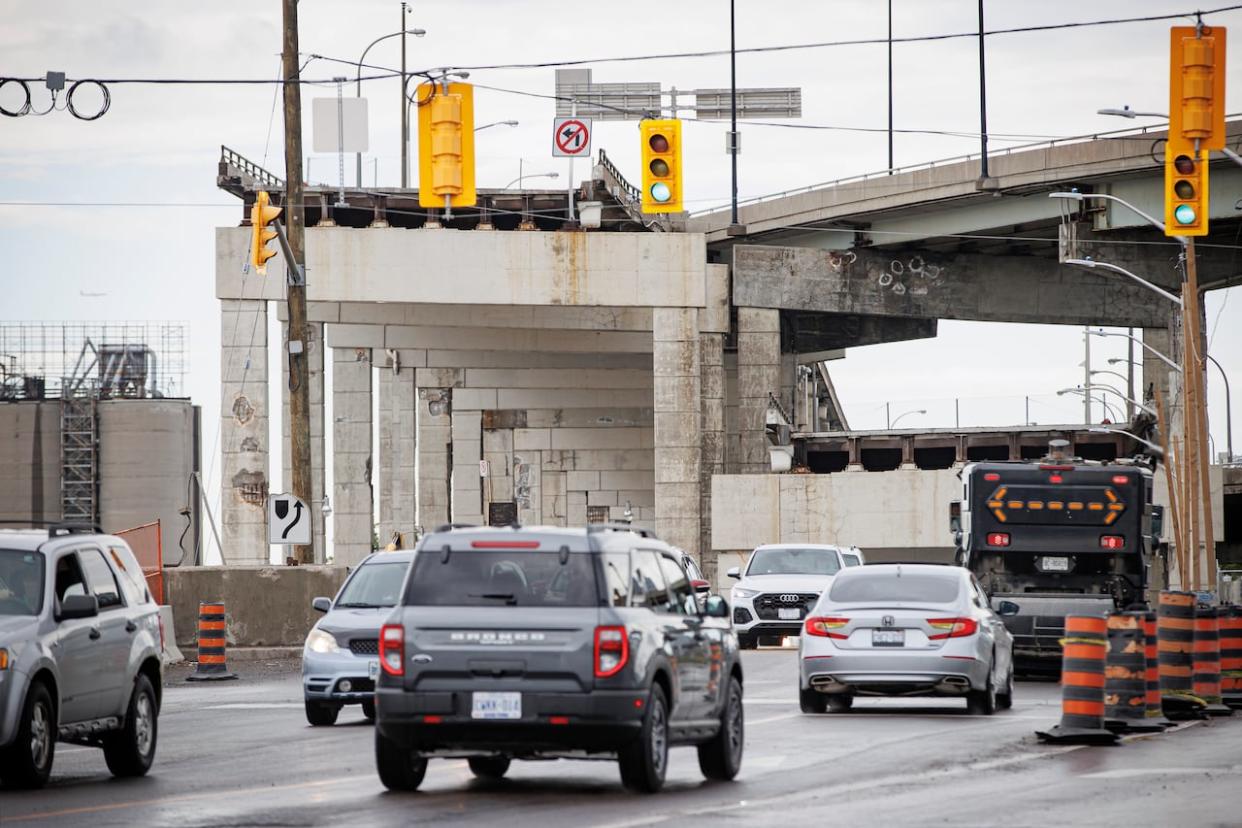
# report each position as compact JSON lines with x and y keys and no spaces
{"x":354,"y":622}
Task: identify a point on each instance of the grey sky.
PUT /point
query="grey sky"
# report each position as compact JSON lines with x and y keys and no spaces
{"x":161,"y":143}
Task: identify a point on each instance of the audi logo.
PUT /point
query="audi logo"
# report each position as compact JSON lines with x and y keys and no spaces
{"x":789,"y":598}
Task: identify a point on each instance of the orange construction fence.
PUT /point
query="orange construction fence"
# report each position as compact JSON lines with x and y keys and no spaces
{"x":147,"y":543}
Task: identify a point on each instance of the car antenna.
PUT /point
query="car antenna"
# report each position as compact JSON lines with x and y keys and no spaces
{"x":445,"y":551}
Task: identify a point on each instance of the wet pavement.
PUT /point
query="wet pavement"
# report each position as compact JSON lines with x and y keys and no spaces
{"x":240,"y":753}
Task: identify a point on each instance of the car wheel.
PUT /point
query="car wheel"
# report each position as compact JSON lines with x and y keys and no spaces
{"x":130,"y":751}
{"x":1004,"y":699}
{"x":812,"y":701}
{"x":721,"y":758}
{"x":320,"y":714}
{"x":840,"y":702}
{"x":645,"y":761}
{"x":27,"y":763}
{"x":399,"y":769}
{"x":746,"y":642}
{"x":368,"y":709}
{"x":982,"y":702}
{"x":489,"y":767}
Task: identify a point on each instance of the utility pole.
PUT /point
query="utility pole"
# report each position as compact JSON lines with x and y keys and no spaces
{"x":983,"y":105}
{"x":1196,"y":365}
{"x":295,"y":290}
{"x":733,"y":137}
{"x":890,"y":87}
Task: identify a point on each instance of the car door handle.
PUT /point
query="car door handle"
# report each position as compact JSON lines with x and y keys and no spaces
{"x":95,"y":633}
{"x":130,"y":626}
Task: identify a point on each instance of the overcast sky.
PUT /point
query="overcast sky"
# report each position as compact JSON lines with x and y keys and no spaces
{"x":160,"y":144}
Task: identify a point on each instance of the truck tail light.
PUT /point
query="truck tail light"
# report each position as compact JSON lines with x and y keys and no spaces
{"x":392,"y":649}
{"x":998,"y":538}
{"x":826,"y":627}
{"x":1112,"y":542}
{"x":952,"y":627}
{"x":612,"y":650}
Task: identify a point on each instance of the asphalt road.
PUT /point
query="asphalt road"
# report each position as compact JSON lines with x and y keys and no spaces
{"x":240,"y":753}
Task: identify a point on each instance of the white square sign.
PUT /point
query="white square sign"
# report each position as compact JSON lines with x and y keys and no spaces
{"x":288,"y":520}
{"x":571,"y":137}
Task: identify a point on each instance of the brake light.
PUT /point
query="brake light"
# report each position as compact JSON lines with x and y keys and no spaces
{"x":998,"y":538}
{"x":392,"y":649}
{"x":991,"y":476}
{"x":505,"y":544}
{"x":612,"y":650}
{"x":952,"y":627}
{"x":1120,"y":479}
{"x":826,"y":627}
{"x":1055,"y":478}
{"x":1112,"y":542}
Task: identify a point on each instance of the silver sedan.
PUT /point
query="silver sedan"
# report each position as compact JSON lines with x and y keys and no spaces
{"x":905,"y":630}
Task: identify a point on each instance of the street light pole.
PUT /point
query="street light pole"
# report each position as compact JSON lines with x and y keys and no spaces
{"x":983,"y":104}
{"x":1228,"y":407}
{"x":358,"y":78}
{"x":405,"y":111}
{"x":890,"y":87}
{"x":733,"y":142}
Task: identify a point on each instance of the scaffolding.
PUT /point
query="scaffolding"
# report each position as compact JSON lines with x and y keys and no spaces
{"x":80,"y":363}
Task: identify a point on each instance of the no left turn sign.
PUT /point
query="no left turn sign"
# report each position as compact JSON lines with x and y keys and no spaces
{"x":571,"y":137}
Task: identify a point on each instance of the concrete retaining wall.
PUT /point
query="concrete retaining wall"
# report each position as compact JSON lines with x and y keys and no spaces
{"x":266,"y":606}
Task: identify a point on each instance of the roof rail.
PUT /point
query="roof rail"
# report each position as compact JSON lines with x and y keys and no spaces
{"x":449,"y":527}
{"x":616,"y":526}
{"x":55,"y":527}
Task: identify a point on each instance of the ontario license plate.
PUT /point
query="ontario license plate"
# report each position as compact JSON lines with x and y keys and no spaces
{"x":888,"y":638}
{"x":496,"y":706}
{"x":1056,"y":564}
{"x":787,"y":614}
{"x":373,"y":670}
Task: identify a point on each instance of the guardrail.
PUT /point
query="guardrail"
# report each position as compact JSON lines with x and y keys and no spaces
{"x":237,"y":165}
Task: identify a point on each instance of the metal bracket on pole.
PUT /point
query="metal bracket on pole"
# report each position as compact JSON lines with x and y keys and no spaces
{"x":297,"y":275}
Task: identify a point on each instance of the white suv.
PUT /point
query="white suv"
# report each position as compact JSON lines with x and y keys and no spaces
{"x":778,"y":587}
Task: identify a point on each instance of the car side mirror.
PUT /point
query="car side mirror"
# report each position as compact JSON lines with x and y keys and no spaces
{"x":321,"y":604}
{"x":701,"y":587}
{"x":734,"y":572}
{"x":716,"y":607}
{"x":78,"y":606}
{"x":1007,"y":608}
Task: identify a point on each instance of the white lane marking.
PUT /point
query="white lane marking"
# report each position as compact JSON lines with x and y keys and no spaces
{"x":1129,"y":773}
{"x":769,"y":719}
{"x":254,"y":706}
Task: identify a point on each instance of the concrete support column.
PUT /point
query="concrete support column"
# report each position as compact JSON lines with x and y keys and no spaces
{"x":243,"y":431}
{"x":397,"y":441}
{"x":435,"y":460}
{"x":712,"y":439}
{"x":758,"y":376}
{"x":675,"y":336}
{"x":467,"y":448}
{"x":315,"y":365}
{"x":352,"y":499}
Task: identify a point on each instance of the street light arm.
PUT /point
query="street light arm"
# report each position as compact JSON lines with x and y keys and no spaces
{"x":1092,"y":264}
{"x":1108,"y":408}
{"x":1173,"y":365}
{"x":1106,"y":196}
{"x":1122,"y":431}
{"x":1112,"y":390}
{"x":1119,"y":376}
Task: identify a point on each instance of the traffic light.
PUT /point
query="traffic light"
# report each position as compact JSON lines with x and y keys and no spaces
{"x":446,"y":145}
{"x":662,"y":156}
{"x":1196,"y":125}
{"x":260,"y":215}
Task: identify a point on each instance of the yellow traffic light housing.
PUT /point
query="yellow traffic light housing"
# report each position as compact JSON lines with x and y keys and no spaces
{"x":261,"y":214}
{"x":446,"y":145}
{"x":1196,"y":125}
{"x":662,"y":169}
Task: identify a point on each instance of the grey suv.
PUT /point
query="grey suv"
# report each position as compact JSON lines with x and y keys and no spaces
{"x":530,"y":643}
{"x":80,"y":643}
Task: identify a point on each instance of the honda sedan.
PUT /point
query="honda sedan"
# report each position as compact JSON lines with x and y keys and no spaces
{"x":905,"y":630}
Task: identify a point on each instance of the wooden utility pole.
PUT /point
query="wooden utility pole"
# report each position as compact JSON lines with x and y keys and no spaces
{"x":295,"y":291}
{"x":1196,"y":363}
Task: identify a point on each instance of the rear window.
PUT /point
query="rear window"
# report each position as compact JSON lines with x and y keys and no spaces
{"x":905,"y":588}
{"x":21,"y":582}
{"x":499,"y":578}
{"x":794,"y":561}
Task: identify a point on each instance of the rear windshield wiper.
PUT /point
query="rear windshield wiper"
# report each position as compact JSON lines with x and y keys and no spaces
{"x":507,"y":597}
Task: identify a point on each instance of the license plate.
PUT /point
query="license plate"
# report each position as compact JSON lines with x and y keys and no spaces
{"x":496,"y":706}
{"x":1056,"y":564}
{"x":787,"y":614}
{"x":888,"y":638}
{"x":373,"y":670}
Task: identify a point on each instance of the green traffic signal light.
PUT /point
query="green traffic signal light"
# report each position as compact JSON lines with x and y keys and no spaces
{"x":1184,"y":214}
{"x":660,"y":192}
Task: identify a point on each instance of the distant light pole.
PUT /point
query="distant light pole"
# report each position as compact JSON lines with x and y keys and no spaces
{"x":892,"y":421}
{"x":496,"y":123}
{"x":1108,"y":409}
{"x":1122,"y":431}
{"x":734,"y":224}
{"x":520,"y":178}
{"x":1228,"y":407}
{"x":1127,"y":112}
{"x":358,"y":92}
{"x":1172,"y":365}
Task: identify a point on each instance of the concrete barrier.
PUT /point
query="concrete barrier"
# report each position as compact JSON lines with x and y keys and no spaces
{"x":268,"y":606}
{"x":171,"y":654}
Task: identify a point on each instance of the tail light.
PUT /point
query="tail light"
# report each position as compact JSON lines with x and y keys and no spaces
{"x":952,"y":627}
{"x":826,"y":627}
{"x":998,"y":538}
{"x":1112,"y":542}
{"x":699,"y":585}
{"x":612,"y":651}
{"x":1121,"y":479}
{"x":392,"y":649}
